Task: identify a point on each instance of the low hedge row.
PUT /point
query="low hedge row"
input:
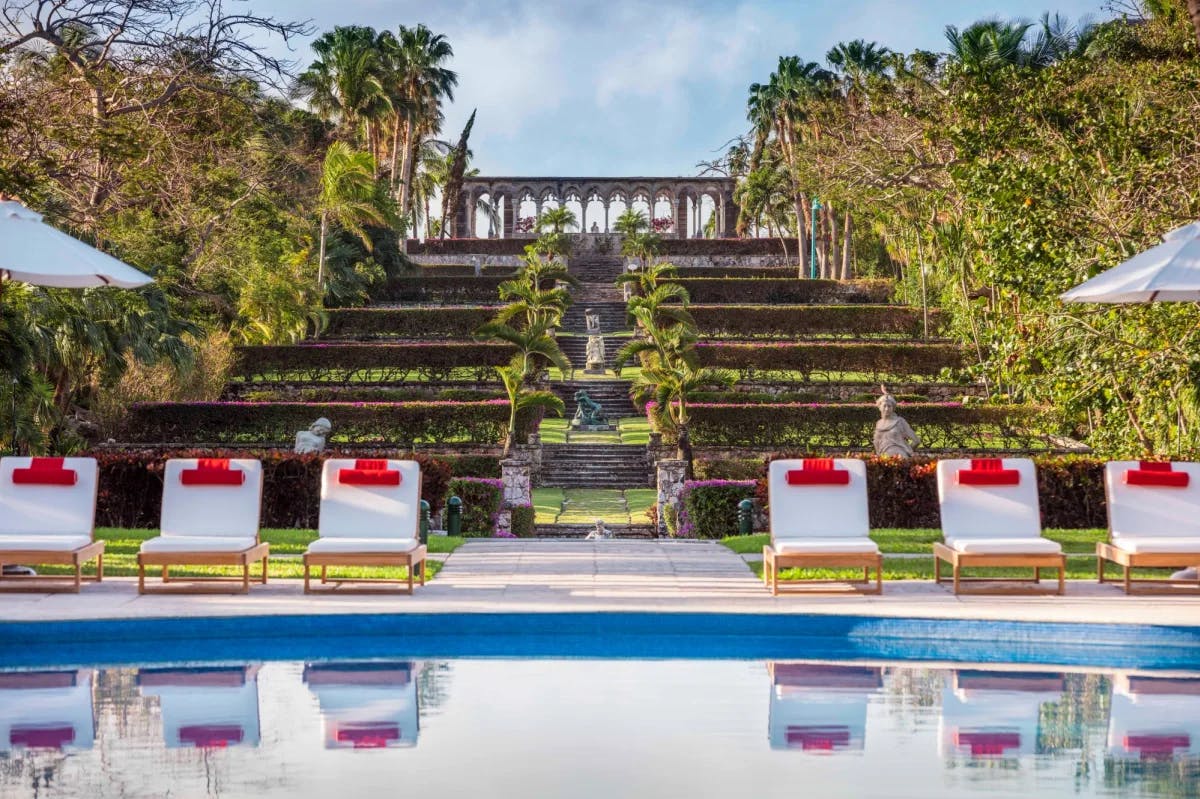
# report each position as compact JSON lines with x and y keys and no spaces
{"x":466,"y":270}
{"x":670,"y":246}
{"x":790,"y":321}
{"x":441,"y":290}
{"x":708,"y":508}
{"x":383,"y":362}
{"x":738,"y":396}
{"x":283,"y":392}
{"x":941,"y":426}
{"x":468,"y":246}
{"x":734,"y":270}
{"x":387,"y":423}
{"x":781,"y":291}
{"x":482,"y":500}
{"x":903,"y":494}
{"x":131,"y":483}
{"x":882,"y":359}
{"x":407,"y":323}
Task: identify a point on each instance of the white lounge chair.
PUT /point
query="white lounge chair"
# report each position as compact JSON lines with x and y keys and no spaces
{"x":991,"y":519}
{"x":821,"y":708}
{"x":1153,"y":521}
{"x":819,"y":517}
{"x":370,"y":516}
{"x":210,"y":513}
{"x":1154,"y":718}
{"x":995,"y":714}
{"x":47,"y":515}
{"x":205,"y":708}
{"x":366,"y":705}
{"x":46,"y":710}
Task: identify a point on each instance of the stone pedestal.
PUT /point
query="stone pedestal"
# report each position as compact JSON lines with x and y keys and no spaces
{"x":517,"y":478}
{"x":671,"y":476}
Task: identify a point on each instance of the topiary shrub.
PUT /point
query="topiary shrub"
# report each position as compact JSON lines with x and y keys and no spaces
{"x":441,"y":290}
{"x":708,"y":508}
{"x":878,"y":358}
{"x":522,"y":521}
{"x":482,"y":499}
{"x":382,"y":362}
{"x":407,"y":323}
{"x":783,"y":291}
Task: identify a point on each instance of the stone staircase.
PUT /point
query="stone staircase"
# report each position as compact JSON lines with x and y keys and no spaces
{"x":581,"y":530}
{"x":613,"y":395}
{"x":612,"y":315}
{"x":595,"y":466}
{"x":591,"y":268}
{"x":575,"y":348}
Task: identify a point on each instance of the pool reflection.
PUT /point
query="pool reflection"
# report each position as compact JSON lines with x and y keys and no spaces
{"x":205,"y":708}
{"x":820,"y":708}
{"x":989,"y":715}
{"x":365,"y":705}
{"x":50,"y":710}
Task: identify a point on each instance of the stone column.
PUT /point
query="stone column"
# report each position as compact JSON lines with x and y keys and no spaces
{"x":516,"y":475}
{"x":729,"y":209}
{"x":606,"y":205}
{"x":583,"y":217}
{"x":670,"y":486}
{"x":680,"y":207}
{"x":510,"y":217}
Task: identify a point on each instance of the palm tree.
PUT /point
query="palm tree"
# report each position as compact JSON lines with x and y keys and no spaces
{"x":455,"y":172}
{"x":642,"y":245}
{"x":345,"y":83}
{"x":857,"y":61}
{"x":534,"y":346}
{"x":672,"y":386}
{"x":557,"y":220}
{"x":418,"y":81}
{"x":985,"y":47}
{"x":630,"y":223}
{"x":348,"y":197}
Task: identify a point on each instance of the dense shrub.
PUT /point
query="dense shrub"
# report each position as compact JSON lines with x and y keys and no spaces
{"x":903,"y":493}
{"x":737,"y":270}
{"x":391,"y":362}
{"x":881,"y":359}
{"x":357,"y":392}
{"x":131,"y":483}
{"x":709,"y":507}
{"x":732,"y":247}
{"x":778,"y":321}
{"x":441,"y":290}
{"x":941,"y":426}
{"x":805,"y":397}
{"x":473,"y":465}
{"x":407,"y":323}
{"x":482,"y":499}
{"x":468,"y":246}
{"x":386,"y":423}
{"x":773,"y":291}
{"x":522,"y":521}
{"x":466,"y":270}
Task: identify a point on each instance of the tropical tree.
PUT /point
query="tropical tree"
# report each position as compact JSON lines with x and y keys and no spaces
{"x":983,"y":48}
{"x":856,"y":62}
{"x":643,"y":245}
{"x":345,"y":82}
{"x":349,"y":198}
{"x":456,"y":171}
{"x":557,"y":220}
{"x":535,"y":347}
{"x":631,"y":222}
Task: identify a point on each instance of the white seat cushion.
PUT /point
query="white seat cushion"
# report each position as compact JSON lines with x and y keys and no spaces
{"x":338,"y":544}
{"x":819,"y":511}
{"x":796,"y":546}
{"x":197,"y":543}
{"x":1004,"y":546}
{"x":47,"y":543}
{"x":1158,"y":544}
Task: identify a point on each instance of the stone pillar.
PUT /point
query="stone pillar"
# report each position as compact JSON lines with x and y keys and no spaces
{"x":679,"y":206}
{"x":510,"y":217}
{"x":670,"y":486}
{"x":516,"y":475}
{"x":729,"y":209}
{"x":606,"y":205}
{"x":583,"y":217}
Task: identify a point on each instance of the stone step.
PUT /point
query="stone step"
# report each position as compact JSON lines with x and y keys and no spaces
{"x":575,"y":348}
{"x":582,"y":530}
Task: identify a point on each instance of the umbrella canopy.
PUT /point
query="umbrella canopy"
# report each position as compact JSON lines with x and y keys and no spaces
{"x":34,"y":252}
{"x":1169,"y":272}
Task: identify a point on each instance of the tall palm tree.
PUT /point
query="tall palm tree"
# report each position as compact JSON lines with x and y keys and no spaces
{"x":348,"y":197}
{"x":420,"y":81}
{"x":345,"y":82}
{"x":455,"y":172}
{"x":856,"y":62}
{"x":985,"y":47}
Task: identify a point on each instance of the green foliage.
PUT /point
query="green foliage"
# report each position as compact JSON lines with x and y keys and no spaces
{"x":482,"y":500}
{"x":783,"y":291}
{"x":709,"y":507}
{"x":794,"y":321}
{"x":392,"y":361}
{"x":522,"y":521}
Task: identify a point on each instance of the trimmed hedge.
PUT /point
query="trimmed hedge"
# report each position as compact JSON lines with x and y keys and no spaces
{"x":781,"y":291}
{"x":357,"y":392}
{"x":735,"y":270}
{"x":131,"y":483}
{"x":709,"y":507}
{"x":466,"y":270}
{"x":941,"y":426}
{"x":516,"y":246}
{"x":407,"y":323}
{"x":442,"y":290}
{"x":791,"y":321}
{"x":387,"y":423}
{"x":523,"y":521}
{"x":468,"y":246}
{"x":482,"y":499}
{"x":391,"y":362}
{"x":881,"y":359}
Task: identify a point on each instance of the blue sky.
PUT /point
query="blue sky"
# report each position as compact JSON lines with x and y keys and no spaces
{"x":627,"y":87}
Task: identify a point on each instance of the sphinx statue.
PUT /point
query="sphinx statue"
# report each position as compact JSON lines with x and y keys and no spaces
{"x":312,"y":440}
{"x":893,"y":435}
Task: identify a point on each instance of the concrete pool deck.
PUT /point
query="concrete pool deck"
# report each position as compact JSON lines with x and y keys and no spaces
{"x":576,"y":576}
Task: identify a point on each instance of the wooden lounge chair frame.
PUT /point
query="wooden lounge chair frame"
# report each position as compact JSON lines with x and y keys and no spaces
{"x":54,"y":583}
{"x":773,"y":561}
{"x":1106,"y":551}
{"x":368,"y":585}
{"x":984,"y":560}
{"x":260,"y":551}
{"x":971,"y":560}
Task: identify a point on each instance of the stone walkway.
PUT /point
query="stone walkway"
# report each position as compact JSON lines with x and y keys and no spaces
{"x":577,"y":576}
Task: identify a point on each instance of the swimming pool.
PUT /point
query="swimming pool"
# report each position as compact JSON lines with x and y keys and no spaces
{"x":595,"y":705}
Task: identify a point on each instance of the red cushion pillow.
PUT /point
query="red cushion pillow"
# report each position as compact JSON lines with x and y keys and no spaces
{"x":1156,"y":474}
{"x":988,"y":472}
{"x":45,"y":472}
{"x":818,"y":472}
{"x":368,"y":477}
{"x":212,"y":472}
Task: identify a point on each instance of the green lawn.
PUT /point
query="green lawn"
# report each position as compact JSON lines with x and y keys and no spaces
{"x":1078,"y":568}
{"x":630,"y":430}
{"x":585,"y":505}
{"x":920,"y":541}
{"x":547,"y":504}
{"x":120,"y":555}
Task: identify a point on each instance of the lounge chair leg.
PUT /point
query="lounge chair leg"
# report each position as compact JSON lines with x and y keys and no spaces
{"x":1099,"y":568}
{"x":99,"y":567}
{"x":78,"y":576}
{"x":165,"y":574}
{"x":1062,"y":579}
{"x":245,"y":576}
{"x":410,"y":576}
{"x":879,"y":577}
{"x":264,"y":577}
{"x":423,"y":562}
{"x":937,"y":570}
{"x":307,"y":575}
{"x":323,"y":575}
{"x":957,"y":575}
{"x":1037,"y":574}
{"x":141,"y":578}
{"x":1128,"y":581}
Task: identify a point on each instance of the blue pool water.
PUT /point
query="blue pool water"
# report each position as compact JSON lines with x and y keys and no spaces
{"x":601,"y":705}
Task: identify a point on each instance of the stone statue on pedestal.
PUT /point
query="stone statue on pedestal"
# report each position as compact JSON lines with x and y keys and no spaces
{"x":595,"y":356}
{"x":589,"y":414}
{"x":312,"y":440}
{"x":893,"y":435}
{"x":600,"y":533}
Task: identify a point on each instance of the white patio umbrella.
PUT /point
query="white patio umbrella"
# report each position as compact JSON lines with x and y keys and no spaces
{"x":1168,"y":272}
{"x":34,"y":252}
